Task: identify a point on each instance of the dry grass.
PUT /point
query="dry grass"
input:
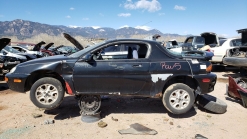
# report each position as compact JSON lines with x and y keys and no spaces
{"x":60,"y":40}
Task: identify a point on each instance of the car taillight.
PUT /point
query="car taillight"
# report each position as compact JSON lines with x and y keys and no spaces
{"x":209,"y":68}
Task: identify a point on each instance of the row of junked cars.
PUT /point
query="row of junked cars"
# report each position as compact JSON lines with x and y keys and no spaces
{"x":227,"y":51}
{"x":11,"y":55}
{"x":126,"y":67}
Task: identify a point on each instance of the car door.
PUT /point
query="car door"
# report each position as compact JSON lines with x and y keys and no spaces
{"x":112,"y":76}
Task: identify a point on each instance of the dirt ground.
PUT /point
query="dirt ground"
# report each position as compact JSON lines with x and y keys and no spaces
{"x":17,"y":121}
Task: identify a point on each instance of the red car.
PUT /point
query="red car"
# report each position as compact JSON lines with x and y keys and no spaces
{"x":47,"y":52}
{"x":238,"y":89}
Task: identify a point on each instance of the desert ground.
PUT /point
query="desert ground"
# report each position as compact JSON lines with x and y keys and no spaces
{"x":17,"y":117}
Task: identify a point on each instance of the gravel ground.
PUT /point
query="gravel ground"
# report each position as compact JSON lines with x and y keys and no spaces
{"x":17,"y":117}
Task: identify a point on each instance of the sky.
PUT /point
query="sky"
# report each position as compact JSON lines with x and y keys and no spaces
{"x":183,"y":17}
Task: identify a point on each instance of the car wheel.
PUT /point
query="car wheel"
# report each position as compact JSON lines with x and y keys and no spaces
{"x":47,"y":93}
{"x":178,"y":98}
{"x":211,"y":103}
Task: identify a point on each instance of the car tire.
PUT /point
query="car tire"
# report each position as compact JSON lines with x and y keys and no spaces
{"x":47,"y":93}
{"x":174,"y":102}
{"x":212,"y":103}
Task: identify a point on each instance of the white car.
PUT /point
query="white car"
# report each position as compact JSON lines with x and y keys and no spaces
{"x":220,"y":51}
{"x":25,"y":50}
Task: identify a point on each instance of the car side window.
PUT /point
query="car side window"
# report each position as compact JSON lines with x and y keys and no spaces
{"x":127,"y":51}
{"x":189,"y":40}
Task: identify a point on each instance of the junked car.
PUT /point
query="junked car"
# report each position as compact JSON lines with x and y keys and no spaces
{"x":220,"y":50}
{"x":197,"y":42}
{"x":6,"y":62}
{"x":176,"y":79}
{"x":237,"y":56}
{"x":24,"y":49}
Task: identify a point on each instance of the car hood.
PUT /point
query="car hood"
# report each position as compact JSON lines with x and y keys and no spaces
{"x":48,"y":46}
{"x":210,"y":38}
{"x":4,"y":42}
{"x":45,"y":60}
{"x":73,"y":41}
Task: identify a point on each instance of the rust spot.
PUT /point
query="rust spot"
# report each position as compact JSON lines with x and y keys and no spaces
{"x":158,"y":95}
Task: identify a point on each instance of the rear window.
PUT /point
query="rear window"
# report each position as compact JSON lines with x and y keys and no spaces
{"x":236,"y":42}
{"x":221,"y":42}
{"x":200,"y":40}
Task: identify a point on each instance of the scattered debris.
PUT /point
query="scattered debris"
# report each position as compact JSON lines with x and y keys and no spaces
{"x":198,"y":136}
{"x":138,"y":129}
{"x":212,"y":103}
{"x":209,"y":116}
{"x":49,"y":121}
{"x":35,"y":115}
{"x":166,"y":119}
{"x":102,"y":124}
{"x":90,"y":118}
{"x":178,"y":126}
{"x":114,"y":119}
{"x":171,"y":123}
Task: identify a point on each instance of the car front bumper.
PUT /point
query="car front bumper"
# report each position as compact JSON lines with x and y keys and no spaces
{"x":16,"y":82}
{"x":206,"y":82}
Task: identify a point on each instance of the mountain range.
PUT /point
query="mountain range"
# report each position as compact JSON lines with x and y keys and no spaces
{"x":26,"y":29}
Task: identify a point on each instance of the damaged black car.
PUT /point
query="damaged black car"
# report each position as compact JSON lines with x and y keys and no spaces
{"x":154,"y":72}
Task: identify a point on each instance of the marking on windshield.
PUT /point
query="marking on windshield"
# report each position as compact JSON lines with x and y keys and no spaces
{"x":164,"y":65}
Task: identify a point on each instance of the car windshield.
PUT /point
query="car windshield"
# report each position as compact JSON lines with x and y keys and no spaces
{"x":10,"y":49}
{"x":89,"y":48}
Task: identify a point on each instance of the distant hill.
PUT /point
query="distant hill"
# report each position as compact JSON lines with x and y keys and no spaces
{"x":26,"y":29}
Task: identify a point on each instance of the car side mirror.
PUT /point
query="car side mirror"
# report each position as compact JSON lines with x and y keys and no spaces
{"x":87,"y":57}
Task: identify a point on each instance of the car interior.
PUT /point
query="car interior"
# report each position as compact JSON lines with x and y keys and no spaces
{"x":121,"y":51}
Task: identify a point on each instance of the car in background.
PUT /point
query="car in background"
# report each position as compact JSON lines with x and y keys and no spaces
{"x":220,"y":50}
{"x":24,"y":49}
{"x":6,"y":62}
{"x":12,"y":52}
{"x":45,"y":50}
{"x":197,"y":42}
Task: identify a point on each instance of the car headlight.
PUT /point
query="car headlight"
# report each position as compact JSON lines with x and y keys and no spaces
{"x":12,"y":70}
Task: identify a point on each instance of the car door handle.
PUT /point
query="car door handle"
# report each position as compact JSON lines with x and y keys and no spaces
{"x":137,"y":66}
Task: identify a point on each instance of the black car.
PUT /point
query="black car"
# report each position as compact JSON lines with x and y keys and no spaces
{"x":176,"y":79}
{"x":6,"y":62}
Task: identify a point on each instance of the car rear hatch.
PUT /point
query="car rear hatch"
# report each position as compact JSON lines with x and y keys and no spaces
{"x":244,"y":36}
{"x":210,"y":38}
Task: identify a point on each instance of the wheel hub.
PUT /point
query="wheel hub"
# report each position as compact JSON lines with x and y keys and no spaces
{"x":179,"y":99}
{"x":89,"y":104}
{"x":46,"y":94}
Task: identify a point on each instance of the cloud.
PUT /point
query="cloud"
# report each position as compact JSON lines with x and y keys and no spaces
{"x":125,"y":26}
{"x":68,"y":16}
{"x":124,"y":14}
{"x":72,"y":8}
{"x":181,"y":8}
{"x":1,"y":15}
{"x":85,"y":18}
{"x":73,"y":26}
{"x":101,"y":14}
{"x":160,"y":14}
{"x":96,"y":27}
{"x":147,"y":28}
{"x":151,"y":6}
